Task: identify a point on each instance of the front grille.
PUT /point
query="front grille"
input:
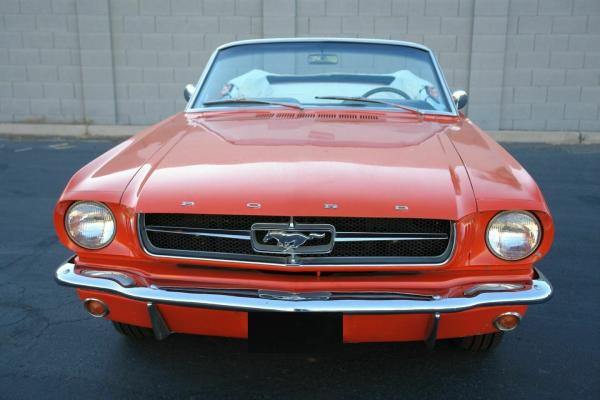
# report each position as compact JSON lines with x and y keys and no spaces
{"x":357,"y":240}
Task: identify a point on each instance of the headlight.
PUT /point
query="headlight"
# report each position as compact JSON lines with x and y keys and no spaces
{"x":513,"y":235}
{"x":90,"y":225}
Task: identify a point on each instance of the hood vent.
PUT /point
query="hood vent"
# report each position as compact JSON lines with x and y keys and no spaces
{"x":322,"y":116}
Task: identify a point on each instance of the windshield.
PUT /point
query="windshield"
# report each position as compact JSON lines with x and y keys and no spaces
{"x":315,"y":73}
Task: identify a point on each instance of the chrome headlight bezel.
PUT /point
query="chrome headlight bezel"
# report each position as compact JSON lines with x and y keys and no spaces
{"x":503,"y":214}
{"x":72,"y":233}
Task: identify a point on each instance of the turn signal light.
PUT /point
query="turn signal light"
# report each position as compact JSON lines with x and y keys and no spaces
{"x":507,"y":321}
{"x":96,"y":308}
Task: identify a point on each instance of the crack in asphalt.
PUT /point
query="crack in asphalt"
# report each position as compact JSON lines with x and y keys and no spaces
{"x":14,"y":322}
{"x":15,"y":261}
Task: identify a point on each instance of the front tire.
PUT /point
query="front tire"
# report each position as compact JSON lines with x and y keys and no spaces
{"x":481,"y":343}
{"x":133,"y":331}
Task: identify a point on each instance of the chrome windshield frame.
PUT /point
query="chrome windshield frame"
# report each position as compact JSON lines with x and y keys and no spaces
{"x":446,"y":92}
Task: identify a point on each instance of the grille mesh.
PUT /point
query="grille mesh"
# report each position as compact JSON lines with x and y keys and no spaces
{"x":165,"y":242}
{"x":233,"y":222}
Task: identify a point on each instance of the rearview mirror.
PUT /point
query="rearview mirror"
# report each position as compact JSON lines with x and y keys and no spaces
{"x":460,"y":98}
{"x":188,"y":91}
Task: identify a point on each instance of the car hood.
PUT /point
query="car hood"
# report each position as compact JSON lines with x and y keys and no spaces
{"x":374,"y":164}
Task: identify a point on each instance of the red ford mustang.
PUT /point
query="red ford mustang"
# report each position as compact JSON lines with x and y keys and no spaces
{"x":313,"y":189}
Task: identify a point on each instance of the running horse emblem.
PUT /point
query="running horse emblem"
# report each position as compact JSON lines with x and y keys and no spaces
{"x":291,"y":240}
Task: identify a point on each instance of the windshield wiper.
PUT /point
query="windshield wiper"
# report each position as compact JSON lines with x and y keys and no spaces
{"x":255,"y":101}
{"x":367,"y":100}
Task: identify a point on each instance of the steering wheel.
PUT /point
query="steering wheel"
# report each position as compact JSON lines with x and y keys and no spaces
{"x":386,"y":89}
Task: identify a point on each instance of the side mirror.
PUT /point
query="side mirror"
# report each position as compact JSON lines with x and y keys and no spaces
{"x":188,"y":91}
{"x":460,"y":98}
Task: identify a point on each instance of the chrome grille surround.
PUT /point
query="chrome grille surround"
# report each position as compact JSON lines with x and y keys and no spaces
{"x":150,"y":235}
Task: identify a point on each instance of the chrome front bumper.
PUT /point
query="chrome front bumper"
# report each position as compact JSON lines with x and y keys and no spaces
{"x":539,"y":291}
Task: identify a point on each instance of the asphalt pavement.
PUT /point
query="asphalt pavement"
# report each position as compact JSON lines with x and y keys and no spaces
{"x":49,"y":348}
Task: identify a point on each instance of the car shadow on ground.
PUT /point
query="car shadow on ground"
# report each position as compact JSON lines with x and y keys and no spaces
{"x":372,"y":365}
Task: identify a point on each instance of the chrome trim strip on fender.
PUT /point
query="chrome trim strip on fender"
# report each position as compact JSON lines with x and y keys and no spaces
{"x":539,"y":291}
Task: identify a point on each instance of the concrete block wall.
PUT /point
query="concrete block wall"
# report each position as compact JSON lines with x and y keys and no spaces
{"x":552,"y":66}
{"x":159,"y":46}
{"x":527,"y":64}
{"x":40,"y":65}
